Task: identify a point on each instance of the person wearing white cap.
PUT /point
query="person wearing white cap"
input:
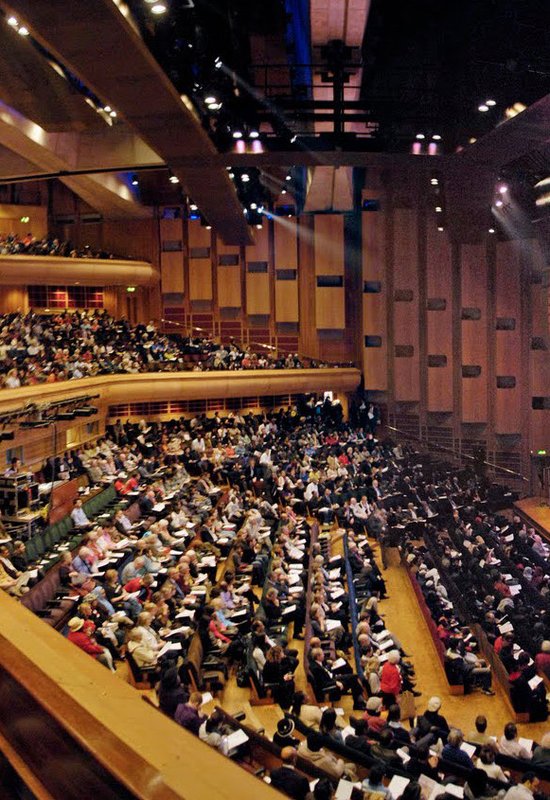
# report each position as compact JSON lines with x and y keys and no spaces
{"x":79,"y":634}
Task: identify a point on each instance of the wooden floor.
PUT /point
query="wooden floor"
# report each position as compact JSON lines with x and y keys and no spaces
{"x":403,"y":617}
{"x":537,"y":511}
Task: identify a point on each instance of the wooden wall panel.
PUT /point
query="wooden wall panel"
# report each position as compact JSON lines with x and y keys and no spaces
{"x":375,"y":359}
{"x":229,"y":287}
{"x":329,"y":308}
{"x":286,"y":301}
{"x":259,"y":251}
{"x":474,"y":332}
{"x":286,"y":245}
{"x":257,"y":293}
{"x":200,"y":279}
{"x":329,"y":244}
{"x":10,"y":219}
{"x":171,"y":269}
{"x":439,"y":323}
{"x":508,"y":343}
{"x":199,"y":236}
{"x":539,"y":359}
{"x":405,"y":314}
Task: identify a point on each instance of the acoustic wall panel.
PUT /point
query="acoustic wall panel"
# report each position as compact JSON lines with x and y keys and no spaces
{"x":172,"y":259}
{"x":200,"y":279}
{"x":473,"y":259}
{"x":439,"y":319}
{"x":286,"y":244}
{"x":508,"y":357}
{"x":375,"y":359}
{"x":405,"y":314}
{"x":329,"y":261}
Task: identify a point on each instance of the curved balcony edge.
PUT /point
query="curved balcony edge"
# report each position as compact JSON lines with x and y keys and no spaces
{"x":75,"y":730}
{"x":50,"y":270}
{"x":161,"y":386}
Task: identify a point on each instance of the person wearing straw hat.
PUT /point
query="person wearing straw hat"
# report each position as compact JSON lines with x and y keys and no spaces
{"x":80,"y":635}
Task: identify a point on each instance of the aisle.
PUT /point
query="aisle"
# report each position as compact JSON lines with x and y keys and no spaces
{"x":403,"y":617}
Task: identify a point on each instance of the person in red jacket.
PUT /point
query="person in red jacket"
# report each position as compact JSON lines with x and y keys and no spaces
{"x":390,"y":679}
{"x":80,"y":634}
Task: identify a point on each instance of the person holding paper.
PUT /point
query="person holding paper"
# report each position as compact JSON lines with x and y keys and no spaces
{"x":373,"y":783}
{"x":510,"y":745}
{"x":453,"y":752}
{"x":524,"y":790}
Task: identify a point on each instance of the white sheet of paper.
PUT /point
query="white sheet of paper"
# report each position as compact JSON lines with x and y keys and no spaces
{"x":343,"y":790}
{"x":397,"y":785}
{"x":534,"y":682}
{"x":236,"y":738}
{"x":527,"y":743}
{"x":469,"y":749}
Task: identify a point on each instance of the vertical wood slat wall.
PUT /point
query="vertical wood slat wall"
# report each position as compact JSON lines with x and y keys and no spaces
{"x":257,"y":293}
{"x":448,"y":320}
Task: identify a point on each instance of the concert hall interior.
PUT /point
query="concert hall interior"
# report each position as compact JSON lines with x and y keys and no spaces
{"x":274,"y":399}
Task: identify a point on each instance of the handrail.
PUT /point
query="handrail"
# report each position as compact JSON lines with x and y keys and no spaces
{"x":458,"y":456}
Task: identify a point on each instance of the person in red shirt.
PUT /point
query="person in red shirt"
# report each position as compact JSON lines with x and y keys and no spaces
{"x":80,"y":634}
{"x":372,"y":715}
{"x":141,"y":584}
{"x":390,"y":679}
{"x":542,"y":659}
{"x":503,"y":640}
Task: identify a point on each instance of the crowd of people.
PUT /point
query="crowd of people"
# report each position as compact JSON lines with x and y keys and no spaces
{"x":246,"y":489}
{"x":11,"y":245}
{"x":47,"y":348}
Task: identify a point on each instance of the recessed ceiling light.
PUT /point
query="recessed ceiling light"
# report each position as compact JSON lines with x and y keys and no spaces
{"x":210,"y":99}
{"x":472,"y":140}
{"x":254,"y":134}
{"x":193,"y":207}
{"x":259,"y":226}
{"x":503,"y":188}
{"x":483,"y":107}
{"x":12,"y":21}
{"x":253,"y":206}
{"x":245,"y":177}
{"x":499,"y":204}
{"x":420,"y":136}
{"x":288,"y":178}
{"x":438,"y":209}
{"x":490,"y":103}
{"x":112,"y":114}
{"x":231,"y":174}
{"x":107,"y":109}
{"x":434,"y":182}
{"x":158,"y":9}
{"x":491,"y":230}
{"x":284,"y":191}
{"x":208,"y":227}
{"x":237,"y":134}
{"x":174,"y":179}
{"x":436,"y":137}
{"x":440,"y":227}
{"x":23,"y":31}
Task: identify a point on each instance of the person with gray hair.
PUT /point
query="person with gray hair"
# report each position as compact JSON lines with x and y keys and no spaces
{"x":452,"y":750}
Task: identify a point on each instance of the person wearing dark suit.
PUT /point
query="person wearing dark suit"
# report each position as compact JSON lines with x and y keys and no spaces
{"x":286,"y":779}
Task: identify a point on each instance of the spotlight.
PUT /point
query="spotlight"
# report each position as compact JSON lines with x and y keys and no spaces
{"x":245,"y":177}
{"x":158,"y":9}
{"x":294,"y":139}
{"x":23,"y":31}
{"x":193,"y":207}
{"x":420,"y":136}
{"x":107,"y":109}
{"x":491,"y":230}
{"x":12,"y":22}
{"x":130,"y":289}
{"x":231,"y":175}
{"x":261,"y":209}
{"x":174,"y":179}
{"x":259,"y":226}
{"x":208,"y":227}
{"x":483,"y":108}
{"x":503,"y":188}
{"x":237,"y":134}
{"x":135,"y":181}
{"x":438,"y":209}
{"x":436,"y":137}
{"x":254,"y":134}
{"x":440,"y":227}
{"x":434,"y":182}
{"x":112,"y":114}
{"x":472,"y":140}
{"x":218,"y":64}
{"x":499,"y":203}
{"x":210,"y":100}
{"x":253,"y":206}
{"x":490,"y":103}
{"x":288,"y":178}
